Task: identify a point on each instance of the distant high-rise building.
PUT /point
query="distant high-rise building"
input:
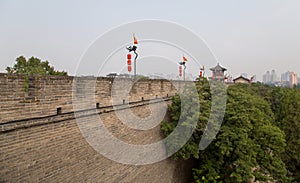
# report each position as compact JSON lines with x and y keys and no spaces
{"x":267,"y":77}
{"x":270,"y":77}
{"x":273,"y":77}
{"x":285,"y":77}
{"x":293,"y":79}
{"x":264,"y":78}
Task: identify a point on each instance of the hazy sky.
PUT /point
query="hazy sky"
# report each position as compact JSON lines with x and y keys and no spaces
{"x":246,"y":36}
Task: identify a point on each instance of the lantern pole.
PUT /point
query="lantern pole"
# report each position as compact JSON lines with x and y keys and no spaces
{"x":184,"y":60}
{"x":134,"y":48}
{"x":136,"y":55}
{"x":184,"y":71}
{"x":202,"y":70}
{"x":183,"y":64}
{"x":130,"y":49}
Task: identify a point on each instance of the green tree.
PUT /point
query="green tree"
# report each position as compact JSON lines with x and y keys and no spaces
{"x":190,"y":149}
{"x":248,"y":145}
{"x":285,"y":104}
{"x":287,"y":113}
{"x":33,"y":66}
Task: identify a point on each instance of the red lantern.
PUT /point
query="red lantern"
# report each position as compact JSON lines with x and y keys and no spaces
{"x":129,"y":62}
{"x":180,"y":71}
{"x":201,"y":74}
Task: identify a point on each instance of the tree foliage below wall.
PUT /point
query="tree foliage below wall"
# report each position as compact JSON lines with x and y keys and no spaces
{"x":259,"y":138}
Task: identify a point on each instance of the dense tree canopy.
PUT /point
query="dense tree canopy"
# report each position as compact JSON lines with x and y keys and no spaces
{"x":258,"y":140}
{"x":33,"y":66}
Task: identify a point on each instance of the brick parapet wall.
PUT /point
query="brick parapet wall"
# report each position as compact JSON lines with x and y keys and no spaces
{"x":47,"y":93}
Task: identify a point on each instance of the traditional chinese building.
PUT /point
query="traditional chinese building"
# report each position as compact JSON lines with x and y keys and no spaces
{"x":218,"y":73}
{"x":242,"y":79}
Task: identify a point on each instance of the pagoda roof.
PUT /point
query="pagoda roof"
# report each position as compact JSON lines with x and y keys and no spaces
{"x":218,"y":68}
{"x":242,"y":77}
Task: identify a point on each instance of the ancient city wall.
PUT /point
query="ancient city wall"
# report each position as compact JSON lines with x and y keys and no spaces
{"x":37,"y":144}
{"x":48,"y":93}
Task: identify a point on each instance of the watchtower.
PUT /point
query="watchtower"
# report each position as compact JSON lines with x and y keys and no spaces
{"x":218,"y":73}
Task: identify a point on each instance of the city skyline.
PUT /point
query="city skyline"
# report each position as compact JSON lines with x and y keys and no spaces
{"x":287,"y":79}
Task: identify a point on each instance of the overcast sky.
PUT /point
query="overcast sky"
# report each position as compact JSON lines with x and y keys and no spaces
{"x":245,"y":36}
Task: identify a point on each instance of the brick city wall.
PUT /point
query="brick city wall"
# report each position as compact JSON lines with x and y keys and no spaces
{"x":38,"y":145}
{"x":47,"y":93}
